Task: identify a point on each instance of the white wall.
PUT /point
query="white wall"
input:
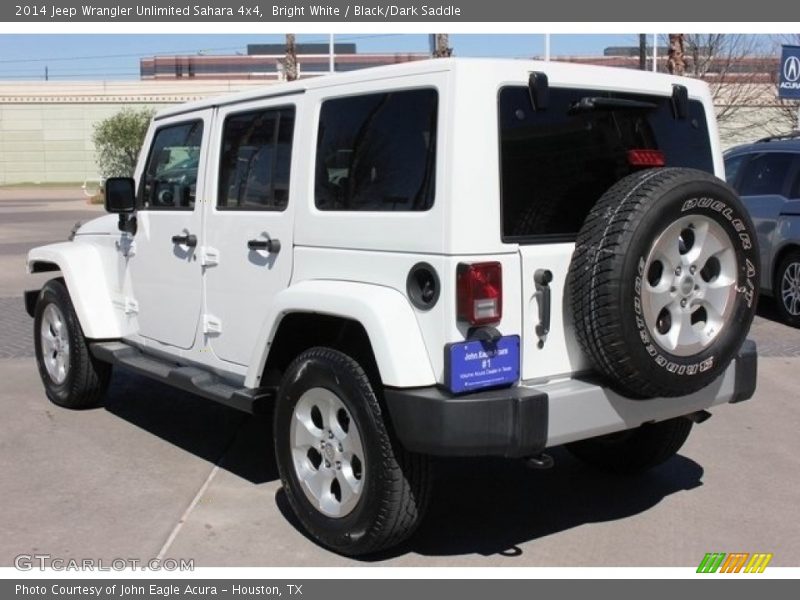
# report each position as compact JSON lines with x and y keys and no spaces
{"x":46,"y":128}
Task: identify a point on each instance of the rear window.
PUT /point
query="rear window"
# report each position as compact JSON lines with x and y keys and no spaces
{"x":556,"y":163}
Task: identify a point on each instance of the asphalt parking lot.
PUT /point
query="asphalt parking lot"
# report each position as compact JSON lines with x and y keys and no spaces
{"x":157,"y":472}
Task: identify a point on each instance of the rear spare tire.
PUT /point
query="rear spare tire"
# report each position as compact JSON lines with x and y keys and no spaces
{"x":664,"y":281}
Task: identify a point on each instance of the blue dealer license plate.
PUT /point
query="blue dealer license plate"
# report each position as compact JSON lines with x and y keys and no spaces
{"x":474,"y":365}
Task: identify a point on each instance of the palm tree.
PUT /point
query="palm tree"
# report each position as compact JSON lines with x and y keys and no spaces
{"x":441,"y":47}
{"x":643,"y":51}
{"x":290,"y":70}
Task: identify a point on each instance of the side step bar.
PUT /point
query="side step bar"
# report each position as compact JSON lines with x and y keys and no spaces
{"x":190,"y":379}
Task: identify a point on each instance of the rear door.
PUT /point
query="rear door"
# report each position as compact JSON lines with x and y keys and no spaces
{"x":248,"y":252}
{"x":555,"y":164}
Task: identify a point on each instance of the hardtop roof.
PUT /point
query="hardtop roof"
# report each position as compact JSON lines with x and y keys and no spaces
{"x":500,"y":68}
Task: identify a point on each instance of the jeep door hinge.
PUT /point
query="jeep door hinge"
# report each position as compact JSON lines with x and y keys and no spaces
{"x":126,"y":245}
{"x":211,"y":325}
{"x":209,"y":256}
{"x":131,"y":306}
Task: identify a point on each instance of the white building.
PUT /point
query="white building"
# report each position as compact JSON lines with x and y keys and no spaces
{"x":46,"y":127}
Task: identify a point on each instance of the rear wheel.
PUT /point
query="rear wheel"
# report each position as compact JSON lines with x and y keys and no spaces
{"x":787,"y":289}
{"x":636,"y":450}
{"x":72,"y":377}
{"x":351,"y":485}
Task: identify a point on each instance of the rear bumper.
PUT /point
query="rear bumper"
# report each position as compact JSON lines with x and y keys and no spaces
{"x":524,"y":420}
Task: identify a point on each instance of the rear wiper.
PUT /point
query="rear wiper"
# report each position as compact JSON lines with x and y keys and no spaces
{"x":593,"y":103}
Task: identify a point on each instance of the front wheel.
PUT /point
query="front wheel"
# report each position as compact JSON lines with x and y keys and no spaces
{"x":72,"y":377}
{"x":787,"y":289}
{"x":351,"y":485}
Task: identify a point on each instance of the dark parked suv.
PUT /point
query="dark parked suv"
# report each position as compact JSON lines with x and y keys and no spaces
{"x":766,"y":174}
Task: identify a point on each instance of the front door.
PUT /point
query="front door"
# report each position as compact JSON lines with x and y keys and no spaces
{"x":248,"y":225}
{"x":165,"y":270}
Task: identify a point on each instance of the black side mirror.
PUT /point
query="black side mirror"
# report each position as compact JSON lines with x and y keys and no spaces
{"x":120,"y":198}
{"x":120,"y":195}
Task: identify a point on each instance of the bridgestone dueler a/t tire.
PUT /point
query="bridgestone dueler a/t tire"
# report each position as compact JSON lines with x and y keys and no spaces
{"x":606,"y":278}
{"x":397,"y":483}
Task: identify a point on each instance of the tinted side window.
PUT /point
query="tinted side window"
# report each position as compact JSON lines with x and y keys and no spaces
{"x":732,"y":167}
{"x":256,"y":159}
{"x":377,"y":152}
{"x":765,"y":174}
{"x":170,"y":177}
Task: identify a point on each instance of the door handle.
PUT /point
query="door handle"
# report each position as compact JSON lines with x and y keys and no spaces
{"x":188,"y":239}
{"x":271,"y":246}
{"x":542,"y":279}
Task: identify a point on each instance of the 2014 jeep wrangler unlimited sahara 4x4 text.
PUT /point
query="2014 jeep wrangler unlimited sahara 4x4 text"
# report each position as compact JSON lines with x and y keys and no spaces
{"x":445,"y":258}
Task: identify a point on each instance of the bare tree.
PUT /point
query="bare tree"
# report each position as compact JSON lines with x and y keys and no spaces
{"x":675,"y":59}
{"x":442,"y":47}
{"x":289,"y":62}
{"x":736,"y":71}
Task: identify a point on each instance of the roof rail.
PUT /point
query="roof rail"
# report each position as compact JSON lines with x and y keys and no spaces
{"x":781,"y":136}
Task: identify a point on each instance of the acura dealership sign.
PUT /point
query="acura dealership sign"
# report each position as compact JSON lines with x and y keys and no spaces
{"x":789,"y":84}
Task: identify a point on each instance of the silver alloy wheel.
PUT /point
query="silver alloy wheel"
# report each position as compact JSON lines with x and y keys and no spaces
{"x":54,"y":338}
{"x":790,"y":289}
{"x":689,"y":285}
{"x":327,"y":452}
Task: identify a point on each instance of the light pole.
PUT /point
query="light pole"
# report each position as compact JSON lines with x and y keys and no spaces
{"x":655,"y":53}
{"x":331,"y":63}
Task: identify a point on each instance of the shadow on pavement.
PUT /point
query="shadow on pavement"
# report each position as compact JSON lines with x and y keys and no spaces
{"x":479,"y":506}
{"x":239,"y":443}
{"x":766,"y":309}
{"x":492,"y":506}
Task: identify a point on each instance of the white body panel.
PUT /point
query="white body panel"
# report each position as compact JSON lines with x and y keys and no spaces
{"x":578,"y":410}
{"x":352,"y":265}
{"x":89,"y":282}
{"x":557,"y":354}
{"x":384,"y":313}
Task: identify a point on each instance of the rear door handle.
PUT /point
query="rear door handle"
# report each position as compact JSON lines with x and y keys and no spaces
{"x":272,"y":246}
{"x":542,"y":279}
{"x":188,"y":239}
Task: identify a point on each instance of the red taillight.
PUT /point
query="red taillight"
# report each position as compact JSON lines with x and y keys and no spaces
{"x":646,"y":158}
{"x":479,"y":289}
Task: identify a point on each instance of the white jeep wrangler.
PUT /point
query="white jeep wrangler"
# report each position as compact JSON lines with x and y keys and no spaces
{"x":444,"y":258}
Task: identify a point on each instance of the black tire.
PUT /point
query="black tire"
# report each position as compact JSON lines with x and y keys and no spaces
{"x":86,"y":379}
{"x":396,"y":483}
{"x":634,"y":451}
{"x":787,"y":307}
{"x":607,"y":281}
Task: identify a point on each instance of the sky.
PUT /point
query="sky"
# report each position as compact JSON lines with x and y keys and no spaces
{"x":76,"y":57}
